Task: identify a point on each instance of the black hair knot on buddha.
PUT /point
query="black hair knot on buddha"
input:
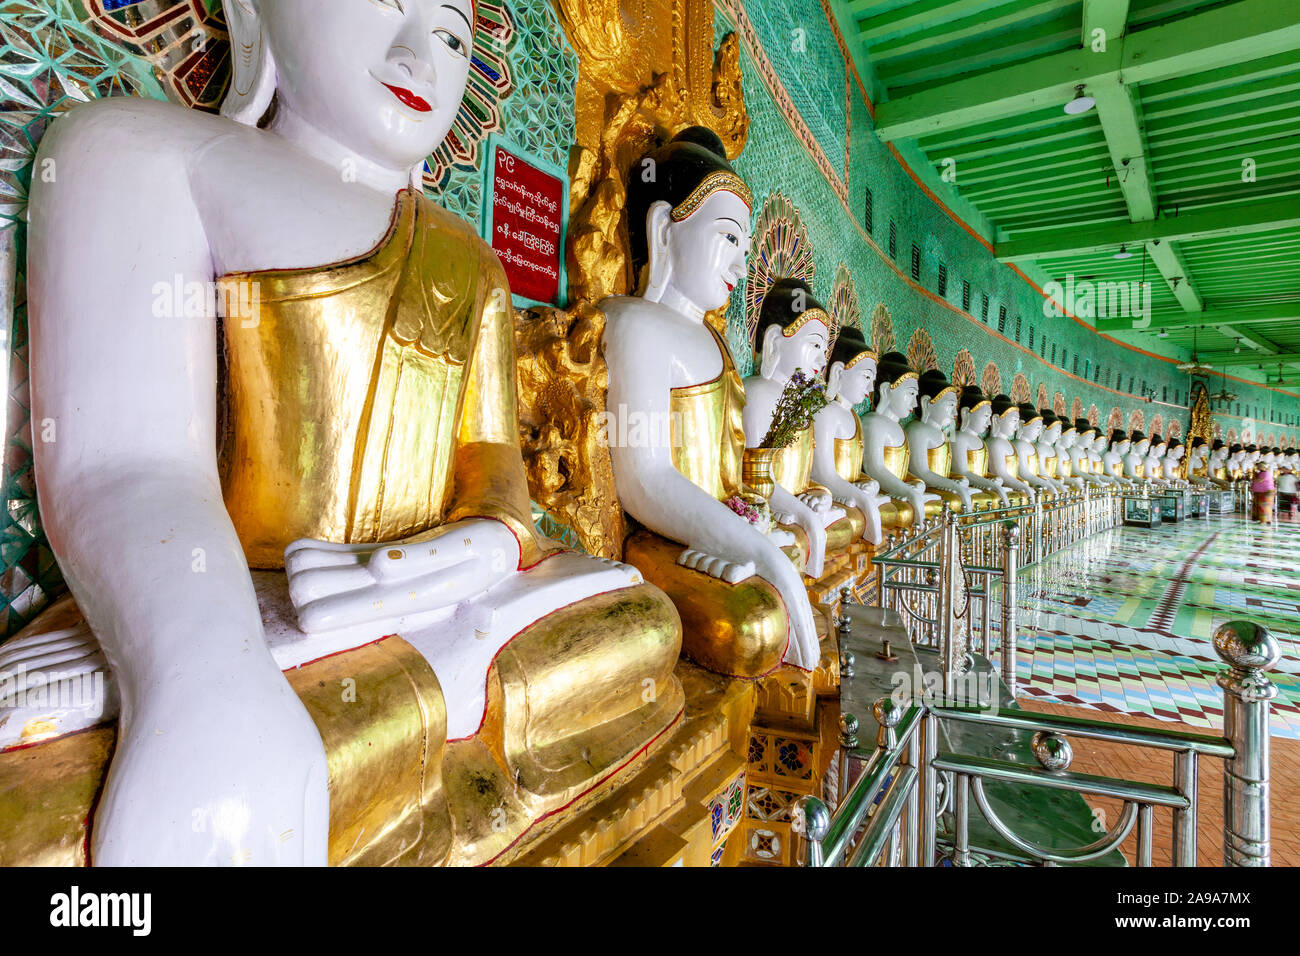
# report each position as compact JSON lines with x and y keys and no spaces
{"x":934,"y":383}
{"x":970,"y":397}
{"x":849,"y":346}
{"x":1083,"y":426}
{"x":1003,"y":404}
{"x":672,"y":173}
{"x":1050,"y":418}
{"x":1118,"y":435}
{"x":784,"y":304}
{"x":1028,"y":413}
{"x":1137,"y":437}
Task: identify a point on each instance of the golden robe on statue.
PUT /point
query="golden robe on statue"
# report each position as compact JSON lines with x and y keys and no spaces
{"x":374,"y":400}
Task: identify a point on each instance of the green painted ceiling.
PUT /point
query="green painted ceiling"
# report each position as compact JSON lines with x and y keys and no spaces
{"x":1192,"y":153}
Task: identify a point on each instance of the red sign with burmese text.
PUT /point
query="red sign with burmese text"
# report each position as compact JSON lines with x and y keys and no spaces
{"x":526,"y":226}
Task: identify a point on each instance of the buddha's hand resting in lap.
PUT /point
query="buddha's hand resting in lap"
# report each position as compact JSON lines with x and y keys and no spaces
{"x":338,"y":585}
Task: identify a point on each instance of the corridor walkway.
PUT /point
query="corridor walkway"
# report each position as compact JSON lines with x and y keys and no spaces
{"x":1123,"y":623}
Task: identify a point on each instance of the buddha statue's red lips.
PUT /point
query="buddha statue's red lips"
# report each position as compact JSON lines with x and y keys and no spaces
{"x":418,"y":103}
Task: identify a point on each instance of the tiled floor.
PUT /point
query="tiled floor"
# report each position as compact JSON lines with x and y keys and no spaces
{"x":1123,"y":622}
{"x":1122,"y":625}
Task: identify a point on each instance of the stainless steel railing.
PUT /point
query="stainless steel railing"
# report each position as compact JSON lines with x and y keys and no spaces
{"x":889,"y":815}
{"x":940,"y":597}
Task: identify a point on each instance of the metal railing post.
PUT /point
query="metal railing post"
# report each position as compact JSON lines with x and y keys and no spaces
{"x":1249,"y":650}
{"x":816,"y":824}
{"x":1010,"y":559}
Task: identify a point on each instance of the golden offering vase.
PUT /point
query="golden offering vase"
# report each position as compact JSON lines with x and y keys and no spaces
{"x":756,"y":470}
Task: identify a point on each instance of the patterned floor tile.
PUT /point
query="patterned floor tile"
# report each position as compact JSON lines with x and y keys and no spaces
{"x":1123,"y":622}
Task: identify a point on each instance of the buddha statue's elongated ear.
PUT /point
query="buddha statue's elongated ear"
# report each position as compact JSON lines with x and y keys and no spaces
{"x":771,"y":346}
{"x":252,"y":81}
{"x":833,"y":376}
{"x":658,"y":222}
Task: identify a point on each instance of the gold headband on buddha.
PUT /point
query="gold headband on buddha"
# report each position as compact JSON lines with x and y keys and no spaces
{"x":901,"y":379}
{"x":718,"y":179}
{"x":942,"y":392}
{"x":808,"y":315}
{"x":977,"y":406}
{"x":868,"y":354}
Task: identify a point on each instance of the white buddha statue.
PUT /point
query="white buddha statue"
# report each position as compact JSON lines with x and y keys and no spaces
{"x":929,"y":450}
{"x":885,"y":449}
{"x":1154,"y":463}
{"x":1003,"y":455}
{"x":1135,"y":459}
{"x":1236,"y":463}
{"x":1251,"y":461}
{"x":793,"y":337}
{"x":1171,"y":463}
{"x":1119,"y":446}
{"x":1049,"y":454}
{"x":369,"y":448}
{"x":1026,"y":446}
{"x":1084,"y":436}
{"x":1097,"y":458}
{"x":837,"y":455}
{"x":743,"y":604}
{"x":1198,"y":462}
{"x":970,"y":455}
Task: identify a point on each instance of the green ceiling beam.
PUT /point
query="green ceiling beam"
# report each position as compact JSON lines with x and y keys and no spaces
{"x":1173,"y":268}
{"x":1211,"y":316}
{"x":981,"y":24}
{"x":1236,"y":219}
{"x":1247,"y":357}
{"x":1219,"y":37}
{"x":1109,"y":16}
{"x":917,"y":16}
{"x":1121,"y":121}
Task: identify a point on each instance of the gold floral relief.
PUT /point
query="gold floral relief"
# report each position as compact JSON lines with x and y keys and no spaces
{"x":647,"y":69}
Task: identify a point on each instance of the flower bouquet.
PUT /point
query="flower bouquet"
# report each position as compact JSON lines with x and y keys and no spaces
{"x":804,"y":397}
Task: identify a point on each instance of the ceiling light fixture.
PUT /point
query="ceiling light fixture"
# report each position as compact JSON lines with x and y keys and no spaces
{"x":1081,"y":103}
{"x":1123,"y":249}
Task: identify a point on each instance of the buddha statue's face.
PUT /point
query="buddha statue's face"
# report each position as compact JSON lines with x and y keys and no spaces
{"x":1005,"y":425}
{"x":702,"y":258}
{"x":1177,"y":453}
{"x":1068,"y":438}
{"x":898,"y":400}
{"x":941,"y":412}
{"x":384,"y":78}
{"x":1142,"y":447}
{"x":977,"y":422}
{"x":853,"y":385}
{"x":1099,"y":444}
{"x":1052,"y":434}
{"x":1159,"y":450}
{"x":803,"y":351}
{"x":1123,"y":447}
{"x":1030,"y":430}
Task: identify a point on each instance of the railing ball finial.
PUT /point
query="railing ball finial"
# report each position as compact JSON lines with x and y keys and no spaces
{"x":1052,"y":751}
{"x":1246,"y":646}
{"x":888,"y":712}
{"x":813,"y":820}
{"x":1011,"y":532}
{"x":848,"y":730}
